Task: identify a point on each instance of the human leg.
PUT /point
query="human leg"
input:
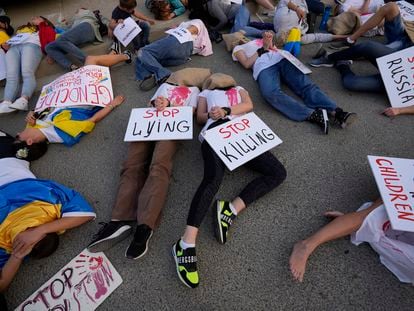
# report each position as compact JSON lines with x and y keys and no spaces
{"x":353,"y":82}
{"x":143,"y":38}
{"x":269,"y":84}
{"x":266,"y":4}
{"x":339,"y":227}
{"x":30,"y":60}
{"x":108,"y":60}
{"x":216,"y":9}
{"x":13,"y":65}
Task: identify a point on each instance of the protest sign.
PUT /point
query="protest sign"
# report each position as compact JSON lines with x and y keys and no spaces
{"x":395,"y":180}
{"x":182,"y":34}
{"x":173,"y":123}
{"x":89,"y":85}
{"x":295,"y":62}
{"x":397,"y":74}
{"x":241,"y":139}
{"x":82,"y":285}
{"x":406,"y":10}
{"x":126,"y":31}
{"x":19,"y":38}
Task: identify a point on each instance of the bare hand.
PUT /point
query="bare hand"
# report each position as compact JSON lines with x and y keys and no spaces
{"x":26,"y":240}
{"x":161,"y":103}
{"x":152,"y":22}
{"x":300,"y":13}
{"x":5,"y":46}
{"x":391,"y":112}
{"x":267,"y":40}
{"x":30,"y":118}
{"x":216,"y":113}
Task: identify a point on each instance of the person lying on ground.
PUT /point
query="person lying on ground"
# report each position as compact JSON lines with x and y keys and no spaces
{"x":169,"y":51}
{"x":220,"y":101}
{"x":23,"y":59}
{"x":269,"y":68}
{"x":145,"y":178}
{"x":167,"y":9}
{"x":369,"y":224}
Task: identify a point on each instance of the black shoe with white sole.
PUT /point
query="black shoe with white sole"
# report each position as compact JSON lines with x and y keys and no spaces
{"x":139,"y":245}
{"x":343,"y":118}
{"x":320,"y":117}
{"x":110,"y":234}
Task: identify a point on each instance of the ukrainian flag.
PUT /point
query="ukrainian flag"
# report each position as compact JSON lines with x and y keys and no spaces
{"x":293,"y":42}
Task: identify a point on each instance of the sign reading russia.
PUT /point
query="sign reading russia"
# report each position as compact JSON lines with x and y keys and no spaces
{"x":173,"y":123}
{"x":241,"y":139}
{"x":395,"y":180}
{"x":89,"y":85}
{"x":82,"y":285}
{"x":397,"y":72}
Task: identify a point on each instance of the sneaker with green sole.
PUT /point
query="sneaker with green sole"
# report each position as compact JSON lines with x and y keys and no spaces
{"x":225,"y":218}
{"x":186,"y":264}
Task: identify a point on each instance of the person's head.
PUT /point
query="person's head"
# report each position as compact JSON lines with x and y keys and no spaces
{"x":31,"y":152}
{"x":31,"y":136}
{"x":219,"y":81}
{"x":46,"y":246}
{"x":5,"y":25}
{"x":128,"y":5}
{"x":35,"y":22}
{"x":161,"y":9}
{"x":160,"y":100}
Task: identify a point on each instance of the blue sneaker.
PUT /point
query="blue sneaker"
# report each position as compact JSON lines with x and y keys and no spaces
{"x":322,"y":61}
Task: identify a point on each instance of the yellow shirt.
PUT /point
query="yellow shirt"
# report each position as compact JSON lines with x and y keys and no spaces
{"x":3,"y":37}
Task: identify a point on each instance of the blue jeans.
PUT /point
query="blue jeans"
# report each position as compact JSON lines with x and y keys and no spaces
{"x":269,"y":81}
{"x":167,"y":51}
{"x":143,"y":38}
{"x":241,"y":22}
{"x":353,"y":82}
{"x":68,"y":43}
{"x":316,"y":6}
{"x":21,"y":59}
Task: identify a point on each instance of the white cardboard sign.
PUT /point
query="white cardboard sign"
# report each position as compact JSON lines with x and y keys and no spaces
{"x":89,"y":85}
{"x":126,"y":31}
{"x":294,"y":61}
{"x":395,"y":180}
{"x":82,"y":285}
{"x":406,"y":10}
{"x":241,"y":139}
{"x":182,"y":34}
{"x":148,"y":124}
{"x":18,"y":38}
{"x":397,"y":74}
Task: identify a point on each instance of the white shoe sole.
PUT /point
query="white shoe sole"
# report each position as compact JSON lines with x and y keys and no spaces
{"x":145,"y":251}
{"x":326,"y":121}
{"x":218,"y":229}
{"x":114,"y":238}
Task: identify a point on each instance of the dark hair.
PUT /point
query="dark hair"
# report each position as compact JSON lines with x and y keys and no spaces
{"x":46,"y":246}
{"x":34,"y":151}
{"x":161,"y":9}
{"x":48,"y":22}
{"x":6,"y":20}
{"x":128,"y":4}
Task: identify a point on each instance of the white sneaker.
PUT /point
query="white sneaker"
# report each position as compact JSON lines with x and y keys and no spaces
{"x":20,"y":104}
{"x":5,"y":108}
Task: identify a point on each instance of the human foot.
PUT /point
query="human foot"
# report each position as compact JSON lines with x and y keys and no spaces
{"x":298,"y":260}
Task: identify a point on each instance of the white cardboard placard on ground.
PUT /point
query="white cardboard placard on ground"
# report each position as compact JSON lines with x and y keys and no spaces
{"x":182,"y":34}
{"x":82,"y":285}
{"x":406,"y":10}
{"x":148,"y":124}
{"x":397,"y":74}
{"x":294,"y":61}
{"x":395,"y":180}
{"x":125,"y":32}
{"x":241,"y":139}
{"x":89,"y":85}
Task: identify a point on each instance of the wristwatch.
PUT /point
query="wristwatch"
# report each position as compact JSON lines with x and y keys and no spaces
{"x":227,"y":110}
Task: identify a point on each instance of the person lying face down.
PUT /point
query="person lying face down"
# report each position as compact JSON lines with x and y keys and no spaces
{"x":64,"y":125}
{"x":31,"y":210}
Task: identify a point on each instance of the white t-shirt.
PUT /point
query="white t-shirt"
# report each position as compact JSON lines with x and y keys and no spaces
{"x":220,"y":98}
{"x":265,"y":61}
{"x":178,"y":95}
{"x":373,"y":6}
{"x":49,"y":130}
{"x":13,"y":169}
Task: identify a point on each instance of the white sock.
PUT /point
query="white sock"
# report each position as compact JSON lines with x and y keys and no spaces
{"x":233,"y":209}
{"x":349,"y":40}
{"x":185,"y":245}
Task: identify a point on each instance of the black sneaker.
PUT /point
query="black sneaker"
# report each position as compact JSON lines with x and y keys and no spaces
{"x":341,"y":45}
{"x":148,"y":83}
{"x":139,"y":245}
{"x":110,"y":234}
{"x":320,"y":117}
{"x":224,"y":220}
{"x":129,"y":55}
{"x":343,"y":118}
{"x":162,"y":80}
{"x":186,"y":264}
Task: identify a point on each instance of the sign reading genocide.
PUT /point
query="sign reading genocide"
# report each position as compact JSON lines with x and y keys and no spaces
{"x":241,"y":139}
{"x":397,"y":73}
{"x":89,"y":85}
{"x":172,"y":123}
{"x":126,"y":31}
{"x":82,"y":285}
{"x":395,"y":180}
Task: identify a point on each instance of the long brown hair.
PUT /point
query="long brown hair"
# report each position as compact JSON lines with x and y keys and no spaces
{"x":35,"y":27}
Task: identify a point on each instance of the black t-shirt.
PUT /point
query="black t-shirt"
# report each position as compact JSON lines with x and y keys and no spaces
{"x":7,"y":148}
{"x":117,"y":13}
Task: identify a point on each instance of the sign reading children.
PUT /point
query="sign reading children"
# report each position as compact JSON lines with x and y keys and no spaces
{"x":242,"y":139}
{"x":89,"y":85}
{"x":173,"y":123}
{"x":395,"y":180}
{"x":126,"y":31}
{"x":82,"y":285}
{"x":397,"y":71}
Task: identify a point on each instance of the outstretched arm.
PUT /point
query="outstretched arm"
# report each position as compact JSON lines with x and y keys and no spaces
{"x":101,"y":114}
{"x":392,"y":112}
{"x":10,"y":269}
